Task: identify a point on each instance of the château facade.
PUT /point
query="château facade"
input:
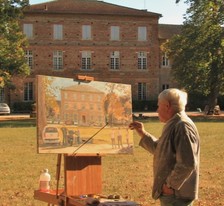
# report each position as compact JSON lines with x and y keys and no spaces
{"x":88,"y":37}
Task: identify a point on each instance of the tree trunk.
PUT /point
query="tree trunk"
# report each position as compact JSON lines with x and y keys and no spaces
{"x":212,"y":101}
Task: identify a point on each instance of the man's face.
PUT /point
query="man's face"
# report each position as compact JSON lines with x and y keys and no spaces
{"x":163,"y":110}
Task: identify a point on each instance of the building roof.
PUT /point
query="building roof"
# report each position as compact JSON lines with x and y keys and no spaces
{"x":166,"y":31}
{"x":83,"y":88}
{"x":86,"y":7}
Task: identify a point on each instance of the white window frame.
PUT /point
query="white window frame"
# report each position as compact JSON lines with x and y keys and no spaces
{"x":142,"y":60}
{"x":115,"y":60}
{"x":165,"y":86}
{"x":142,"y":33}
{"x":165,"y":60}
{"x":142,"y":91}
{"x":28,"y":30}
{"x":114,"y":33}
{"x":29,"y":58}
{"x":86,"y":32}
{"x":28,"y":92}
{"x":86,"y":61}
{"x":58,"y":32}
{"x":57,"y":60}
{"x":75,"y":117}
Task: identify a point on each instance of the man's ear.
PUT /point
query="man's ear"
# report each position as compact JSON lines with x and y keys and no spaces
{"x":169,"y":107}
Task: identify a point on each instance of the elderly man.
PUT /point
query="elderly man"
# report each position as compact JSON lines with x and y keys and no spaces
{"x":176,"y":152}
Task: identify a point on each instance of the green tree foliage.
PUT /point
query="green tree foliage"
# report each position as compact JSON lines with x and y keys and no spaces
{"x":198,"y":52}
{"x":12,"y":41}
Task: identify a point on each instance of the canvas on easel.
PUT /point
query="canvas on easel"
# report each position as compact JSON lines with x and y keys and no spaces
{"x":83,"y":117}
{"x":83,"y":120}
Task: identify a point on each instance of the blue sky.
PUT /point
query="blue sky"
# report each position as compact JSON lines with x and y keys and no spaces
{"x":172,"y":13}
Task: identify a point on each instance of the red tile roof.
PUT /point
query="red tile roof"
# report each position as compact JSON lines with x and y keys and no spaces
{"x":82,"y":88}
{"x":166,"y":31}
{"x":86,"y":7}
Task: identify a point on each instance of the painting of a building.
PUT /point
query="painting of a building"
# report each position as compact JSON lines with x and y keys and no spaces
{"x":72,"y":113}
{"x":82,"y":105}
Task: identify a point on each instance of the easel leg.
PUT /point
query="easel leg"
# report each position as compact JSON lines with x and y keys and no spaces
{"x":58,"y":173}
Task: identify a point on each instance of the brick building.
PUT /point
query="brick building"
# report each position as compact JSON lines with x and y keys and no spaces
{"x":102,"y":40}
{"x":166,"y":31}
{"x":83,"y":104}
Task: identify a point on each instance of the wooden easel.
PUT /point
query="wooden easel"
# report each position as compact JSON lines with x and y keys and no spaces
{"x":82,"y":176}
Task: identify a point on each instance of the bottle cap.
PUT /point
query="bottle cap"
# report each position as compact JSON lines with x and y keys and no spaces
{"x":46,"y":170}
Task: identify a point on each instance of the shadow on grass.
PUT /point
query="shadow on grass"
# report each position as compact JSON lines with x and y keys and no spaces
{"x":31,"y":122}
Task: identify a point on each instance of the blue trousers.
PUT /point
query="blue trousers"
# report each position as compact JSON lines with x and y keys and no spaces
{"x":172,"y":200}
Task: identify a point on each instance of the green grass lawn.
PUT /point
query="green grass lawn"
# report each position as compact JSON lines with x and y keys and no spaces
{"x":127,"y":175}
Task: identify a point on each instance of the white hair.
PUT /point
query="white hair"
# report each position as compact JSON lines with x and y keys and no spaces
{"x":176,"y":98}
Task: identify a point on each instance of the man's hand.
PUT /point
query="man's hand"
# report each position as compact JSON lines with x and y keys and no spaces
{"x":167,"y":190}
{"x":139,"y":127}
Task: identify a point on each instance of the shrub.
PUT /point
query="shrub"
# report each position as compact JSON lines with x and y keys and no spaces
{"x":144,"y":105}
{"x":22,"y":107}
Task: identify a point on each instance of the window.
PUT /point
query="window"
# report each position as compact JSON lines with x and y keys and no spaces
{"x":165,"y":60}
{"x":83,"y":106}
{"x":28,"y":30}
{"x":115,"y":33}
{"x":66,"y":106}
{"x":142,"y":60}
{"x":75,"y":118}
{"x":91,"y":97}
{"x":2,"y":94}
{"x":29,"y":58}
{"x":98,"y":98}
{"x":83,"y":97}
{"x":86,"y":32}
{"x":58,"y":32}
{"x":58,"y":60}
{"x":86,"y":60}
{"x":165,"y":86}
{"x":115,"y":60}
{"x":141,"y":91}
{"x":142,"y":33}
{"x":28,"y":91}
{"x":66,"y":116}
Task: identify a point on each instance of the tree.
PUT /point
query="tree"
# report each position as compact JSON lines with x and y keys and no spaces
{"x":12,"y":41}
{"x":117,"y":103}
{"x":198,"y":52}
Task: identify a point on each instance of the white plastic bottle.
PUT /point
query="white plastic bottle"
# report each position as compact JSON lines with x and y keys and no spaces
{"x":44,"y":181}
